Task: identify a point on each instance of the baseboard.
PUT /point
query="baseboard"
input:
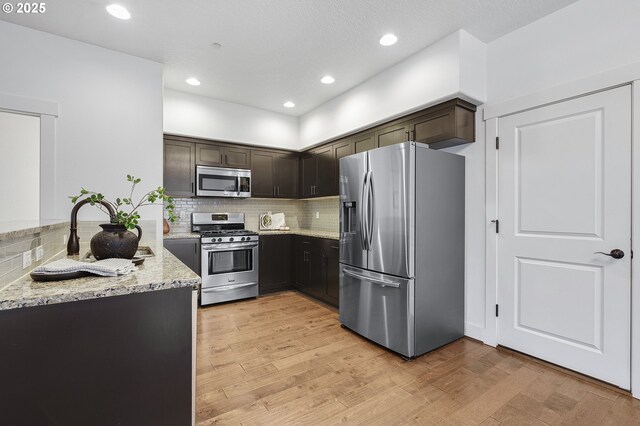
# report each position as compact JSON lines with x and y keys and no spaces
{"x":474,"y":331}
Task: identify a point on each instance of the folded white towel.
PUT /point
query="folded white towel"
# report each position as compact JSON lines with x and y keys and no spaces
{"x":105,"y":268}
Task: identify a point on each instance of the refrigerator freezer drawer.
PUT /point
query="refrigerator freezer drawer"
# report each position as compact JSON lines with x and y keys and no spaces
{"x":378,"y":307}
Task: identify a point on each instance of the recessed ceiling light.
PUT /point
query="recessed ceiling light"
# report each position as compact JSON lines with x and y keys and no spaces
{"x":388,"y":39}
{"x":193,"y":81}
{"x":288,"y":104}
{"x":118,"y":11}
{"x":216,"y":45}
{"x":327,"y":79}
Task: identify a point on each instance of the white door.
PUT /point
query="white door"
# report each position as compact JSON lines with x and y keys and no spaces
{"x":565,"y":193}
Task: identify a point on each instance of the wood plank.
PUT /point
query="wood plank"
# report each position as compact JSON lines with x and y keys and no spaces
{"x":283,"y":359}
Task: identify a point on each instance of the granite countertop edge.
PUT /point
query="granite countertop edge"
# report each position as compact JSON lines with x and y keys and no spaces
{"x":161,"y":272}
{"x":31,"y":229}
{"x":97,"y":294}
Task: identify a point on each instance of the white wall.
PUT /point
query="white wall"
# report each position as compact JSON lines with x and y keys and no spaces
{"x":192,"y":115}
{"x":582,"y":39}
{"x":19,"y":167}
{"x":429,"y":77}
{"x":110,"y":121}
{"x":586,"y":38}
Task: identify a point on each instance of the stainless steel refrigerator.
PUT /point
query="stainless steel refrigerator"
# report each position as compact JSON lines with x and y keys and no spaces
{"x":402,"y":247}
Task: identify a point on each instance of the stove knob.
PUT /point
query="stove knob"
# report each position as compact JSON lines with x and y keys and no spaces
{"x":231,"y":239}
{"x":219,"y":240}
{"x":242,"y":239}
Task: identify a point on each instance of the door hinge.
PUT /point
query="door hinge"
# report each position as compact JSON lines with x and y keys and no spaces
{"x":497,"y":309}
{"x":497,"y":142}
{"x":497,"y":222}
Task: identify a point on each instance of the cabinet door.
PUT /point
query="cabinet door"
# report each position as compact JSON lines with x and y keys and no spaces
{"x":341,"y":149}
{"x":237,"y":158}
{"x":364,"y":142}
{"x":392,"y":135}
{"x":275,"y":263}
{"x":331,"y":272}
{"x":179,"y":168}
{"x":187,"y":250}
{"x":286,"y":172}
{"x":434,"y":127}
{"x":308,"y":173}
{"x":208,"y":155}
{"x":262,"y":175}
{"x":325,"y":172}
{"x":444,"y":127}
{"x":303,"y":263}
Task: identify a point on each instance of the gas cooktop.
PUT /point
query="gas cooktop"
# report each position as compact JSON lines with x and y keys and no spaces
{"x":227,"y":233}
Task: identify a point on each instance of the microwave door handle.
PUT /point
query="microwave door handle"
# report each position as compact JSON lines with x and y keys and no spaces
{"x":238,"y":184}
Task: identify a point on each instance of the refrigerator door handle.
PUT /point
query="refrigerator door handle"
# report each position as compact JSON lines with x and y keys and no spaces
{"x":383,"y":283}
{"x":371,"y":207}
{"x":364,"y":238}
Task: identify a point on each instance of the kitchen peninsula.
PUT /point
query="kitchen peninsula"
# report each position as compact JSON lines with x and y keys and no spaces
{"x":100,"y":350}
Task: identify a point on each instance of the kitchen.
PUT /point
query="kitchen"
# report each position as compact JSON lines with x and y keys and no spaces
{"x":116,"y":104}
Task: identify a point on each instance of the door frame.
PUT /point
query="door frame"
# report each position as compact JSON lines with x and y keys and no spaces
{"x":629,"y":74}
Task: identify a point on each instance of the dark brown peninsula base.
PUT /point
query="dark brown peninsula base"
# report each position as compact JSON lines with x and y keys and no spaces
{"x":121,"y":360}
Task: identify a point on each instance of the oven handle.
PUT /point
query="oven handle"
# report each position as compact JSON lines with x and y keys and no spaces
{"x":229,"y":246}
{"x":227,"y":287}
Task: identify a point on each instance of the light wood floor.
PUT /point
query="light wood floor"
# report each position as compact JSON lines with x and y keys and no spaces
{"x":284,"y":359}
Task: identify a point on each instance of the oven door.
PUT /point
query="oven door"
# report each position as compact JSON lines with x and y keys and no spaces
{"x":229,"y":264}
{"x":221,"y":182}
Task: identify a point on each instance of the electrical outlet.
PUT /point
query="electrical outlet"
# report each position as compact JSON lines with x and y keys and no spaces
{"x":39,"y":253}
{"x":317,"y":215}
{"x":26,"y":259}
{"x":64,"y":239}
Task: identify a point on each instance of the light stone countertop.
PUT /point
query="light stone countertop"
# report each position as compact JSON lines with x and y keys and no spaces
{"x":175,"y":235}
{"x":20,"y":228}
{"x":160,"y":272}
{"x":303,"y":232}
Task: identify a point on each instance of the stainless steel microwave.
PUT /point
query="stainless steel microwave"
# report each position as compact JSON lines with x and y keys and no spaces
{"x":222,"y":182}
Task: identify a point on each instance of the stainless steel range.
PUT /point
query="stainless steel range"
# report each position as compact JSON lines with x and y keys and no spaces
{"x":229,"y":257}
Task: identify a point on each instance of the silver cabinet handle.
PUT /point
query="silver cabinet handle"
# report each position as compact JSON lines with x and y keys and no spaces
{"x":226,"y":287}
{"x":383,"y":283}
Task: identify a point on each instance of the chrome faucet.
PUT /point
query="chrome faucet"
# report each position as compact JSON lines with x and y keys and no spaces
{"x":73,"y":245}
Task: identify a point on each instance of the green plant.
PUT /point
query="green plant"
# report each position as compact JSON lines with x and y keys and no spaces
{"x":128,"y":219}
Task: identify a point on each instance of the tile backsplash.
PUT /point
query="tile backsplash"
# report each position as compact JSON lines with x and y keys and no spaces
{"x":11,"y":249}
{"x":299,"y":214}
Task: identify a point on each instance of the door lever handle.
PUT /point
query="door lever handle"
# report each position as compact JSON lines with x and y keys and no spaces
{"x":615,"y":253}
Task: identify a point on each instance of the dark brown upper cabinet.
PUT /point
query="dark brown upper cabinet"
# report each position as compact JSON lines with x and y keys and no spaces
{"x":274,"y":175}
{"x":222,"y":156}
{"x":448,"y":124}
{"x":286,"y":171}
{"x":341,"y":149}
{"x":179,"y":168}
{"x":318,"y":172}
{"x":364,"y":142}
{"x":391,"y":135}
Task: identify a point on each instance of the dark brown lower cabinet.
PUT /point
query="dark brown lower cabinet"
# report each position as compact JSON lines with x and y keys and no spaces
{"x":120,"y":360}
{"x":316,"y":268}
{"x":187,"y":250}
{"x":276,"y":263}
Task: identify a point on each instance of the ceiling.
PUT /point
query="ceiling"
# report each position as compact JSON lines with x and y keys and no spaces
{"x":277,"y":50}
